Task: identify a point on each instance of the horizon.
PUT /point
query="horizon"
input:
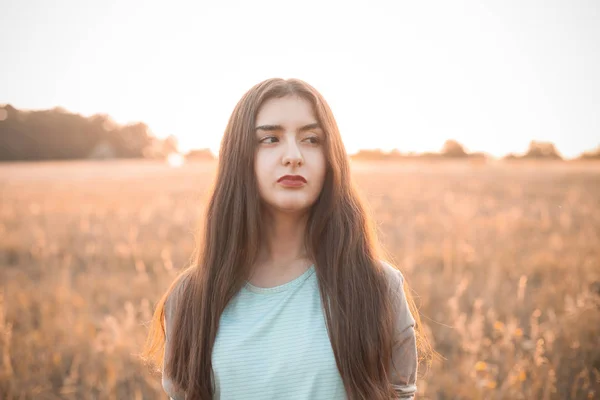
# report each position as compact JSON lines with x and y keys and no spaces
{"x":401,"y":152}
{"x":404,"y":76}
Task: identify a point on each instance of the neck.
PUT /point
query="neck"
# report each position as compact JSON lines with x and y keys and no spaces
{"x":284,"y":238}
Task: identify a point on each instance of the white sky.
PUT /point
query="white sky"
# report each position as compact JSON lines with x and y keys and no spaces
{"x":408,"y":75}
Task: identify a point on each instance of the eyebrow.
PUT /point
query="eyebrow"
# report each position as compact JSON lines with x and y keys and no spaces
{"x":308,"y":127}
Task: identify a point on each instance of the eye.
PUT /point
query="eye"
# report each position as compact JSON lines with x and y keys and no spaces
{"x":313,"y":139}
{"x":266,"y":139}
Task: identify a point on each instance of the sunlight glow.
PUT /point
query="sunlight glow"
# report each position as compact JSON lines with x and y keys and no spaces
{"x":175,"y":160}
{"x":405,"y":75}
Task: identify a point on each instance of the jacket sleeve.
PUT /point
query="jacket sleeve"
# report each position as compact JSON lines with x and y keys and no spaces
{"x":403,"y":371}
{"x":167,"y":384}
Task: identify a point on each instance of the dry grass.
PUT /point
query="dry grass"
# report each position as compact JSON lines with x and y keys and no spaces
{"x":504,"y":261}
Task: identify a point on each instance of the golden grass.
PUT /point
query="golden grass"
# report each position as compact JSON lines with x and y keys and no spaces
{"x":504,"y":261}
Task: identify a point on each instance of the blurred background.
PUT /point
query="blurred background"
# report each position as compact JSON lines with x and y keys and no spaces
{"x":473,"y":129}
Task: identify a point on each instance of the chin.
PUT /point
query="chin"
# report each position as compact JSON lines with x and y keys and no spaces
{"x":292,"y":205}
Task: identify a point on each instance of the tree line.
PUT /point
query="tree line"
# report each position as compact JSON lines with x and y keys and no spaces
{"x":537,"y":150}
{"x":56,"y":134}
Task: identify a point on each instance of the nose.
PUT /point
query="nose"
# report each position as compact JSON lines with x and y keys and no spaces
{"x":293,"y":155}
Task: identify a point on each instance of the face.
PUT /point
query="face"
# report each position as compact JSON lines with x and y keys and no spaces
{"x":289,"y":143}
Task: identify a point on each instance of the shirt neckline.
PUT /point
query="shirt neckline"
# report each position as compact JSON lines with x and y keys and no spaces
{"x":284,"y":286}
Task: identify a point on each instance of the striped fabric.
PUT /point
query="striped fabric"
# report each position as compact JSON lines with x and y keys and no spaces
{"x":272,"y":343}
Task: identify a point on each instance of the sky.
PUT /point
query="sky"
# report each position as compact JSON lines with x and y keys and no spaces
{"x":493,"y":75}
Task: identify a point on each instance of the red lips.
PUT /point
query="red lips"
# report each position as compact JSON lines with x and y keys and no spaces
{"x":292,"y":178}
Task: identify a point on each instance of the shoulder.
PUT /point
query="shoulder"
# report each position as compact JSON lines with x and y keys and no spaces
{"x":394,"y":277}
{"x":403,"y":373}
{"x":397,"y":293}
{"x":175,"y":293}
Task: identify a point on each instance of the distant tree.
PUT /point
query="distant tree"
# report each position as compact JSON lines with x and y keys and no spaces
{"x":395,"y":153}
{"x":542,"y":150}
{"x":453,"y":149}
{"x":478,"y":157}
{"x":369,"y":155}
{"x":102,"y":151}
{"x":428,"y":155}
{"x":510,"y":157}
{"x":592,"y":155}
{"x":161,"y":149}
{"x":170,"y":144}
{"x":133,"y":139}
{"x":57,"y":134}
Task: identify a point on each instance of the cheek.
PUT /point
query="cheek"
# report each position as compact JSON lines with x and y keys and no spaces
{"x":261,"y":169}
{"x":321,"y":166}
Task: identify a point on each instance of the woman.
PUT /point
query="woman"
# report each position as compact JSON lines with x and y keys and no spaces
{"x":288,"y":296}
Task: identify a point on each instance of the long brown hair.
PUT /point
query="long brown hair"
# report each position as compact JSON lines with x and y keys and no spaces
{"x":340,"y":239}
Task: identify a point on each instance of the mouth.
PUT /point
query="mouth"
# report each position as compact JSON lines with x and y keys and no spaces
{"x":292,"y":180}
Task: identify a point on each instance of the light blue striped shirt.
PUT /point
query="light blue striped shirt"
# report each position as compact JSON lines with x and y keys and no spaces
{"x":272,"y":343}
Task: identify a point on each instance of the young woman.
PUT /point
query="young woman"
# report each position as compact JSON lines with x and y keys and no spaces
{"x":288,"y":296}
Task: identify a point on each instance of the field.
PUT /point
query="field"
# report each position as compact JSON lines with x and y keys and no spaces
{"x":503,"y":261}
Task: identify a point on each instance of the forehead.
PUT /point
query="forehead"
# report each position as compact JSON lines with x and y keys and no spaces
{"x":289,"y":110}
